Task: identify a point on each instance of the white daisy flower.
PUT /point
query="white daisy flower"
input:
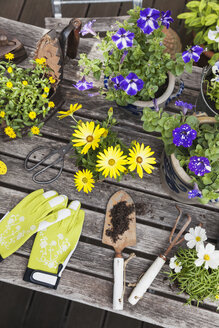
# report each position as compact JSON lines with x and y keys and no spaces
{"x":208,"y":256}
{"x":175,"y":264}
{"x":195,"y":237}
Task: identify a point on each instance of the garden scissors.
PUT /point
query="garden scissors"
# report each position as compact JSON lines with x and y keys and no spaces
{"x":60,"y":151}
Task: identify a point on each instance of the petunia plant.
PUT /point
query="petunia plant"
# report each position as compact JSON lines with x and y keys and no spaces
{"x":100,"y":153}
{"x":24,"y":97}
{"x":212,"y":91}
{"x":135,"y":63}
{"x":195,"y":269}
{"x":195,"y":145}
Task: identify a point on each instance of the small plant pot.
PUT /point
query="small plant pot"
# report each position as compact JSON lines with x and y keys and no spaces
{"x":204,"y":104}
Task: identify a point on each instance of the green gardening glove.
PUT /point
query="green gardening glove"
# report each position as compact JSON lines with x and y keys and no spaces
{"x":32,"y":214}
{"x":53,"y":248}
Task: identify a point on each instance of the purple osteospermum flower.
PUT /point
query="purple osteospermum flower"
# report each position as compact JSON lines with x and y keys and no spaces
{"x":193,"y":53}
{"x":88,"y":28}
{"x":185,"y":106}
{"x":83,"y":85}
{"x":117,"y":81}
{"x":125,"y":53}
{"x":132,"y":84}
{"x":199,"y":165}
{"x":123,"y":38}
{"x":166,"y":19}
{"x":148,"y":20}
{"x":184,"y":136}
{"x":194,"y":192}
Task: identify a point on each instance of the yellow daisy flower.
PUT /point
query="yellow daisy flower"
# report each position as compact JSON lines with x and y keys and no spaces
{"x":69,"y":112}
{"x":104,"y":135}
{"x":46,"y":89}
{"x":32,"y":115}
{"x":139,"y":156}
{"x":88,"y":136}
{"x":9,"y":56}
{"x":35,"y":130}
{"x":10,"y":70}
{"x":111,"y":162}
{"x":3,"y":168}
{"x":40,"y":61}
{"x":51,"y":104}
{"x":2,"y":114}
{"x":84,"y":180}
{"x":52,"y":80}
{"x":44,"y":95}
{"x":24,"y":82}
{"x":10,"y":132}
{"x":9,"y":85}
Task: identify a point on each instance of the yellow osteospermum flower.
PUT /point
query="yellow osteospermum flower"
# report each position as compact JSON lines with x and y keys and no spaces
{"x":35,"y":130}
{"x":111,"y":162}
{"x":46,"y":89}
{"x":73,"y":108}
{"x":139,"y":157}
{"x":10,"y":70}
{"x":84,"y":179}
{"x":10,"y":132}
{"x":3,"y":168}
{"x":40,"y":61}
{"x":105,"y":133}
{"x":9,"y":85}
{"x":2,"y":114}
{"x":9,"y":56}
{"x":52,"y":80}
{"x":24,"y":82}
{"x":32,"y":115}
{"x":44,"y":95}
{"x":88,"y":136}
{"x":51,"y":104}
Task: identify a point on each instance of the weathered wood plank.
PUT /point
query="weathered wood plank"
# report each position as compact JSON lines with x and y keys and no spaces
{"x":11,"y":9}
{"x":34,"y":12}
{"x":103,"y":9}
{"x":98,"y":292}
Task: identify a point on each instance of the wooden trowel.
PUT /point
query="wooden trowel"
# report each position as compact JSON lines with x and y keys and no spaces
{"x":128,"y":238}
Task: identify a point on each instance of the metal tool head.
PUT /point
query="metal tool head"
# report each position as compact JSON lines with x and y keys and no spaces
{"x":128,"y":238}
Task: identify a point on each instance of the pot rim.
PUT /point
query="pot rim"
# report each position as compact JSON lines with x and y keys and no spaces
{"x":204,"y":74}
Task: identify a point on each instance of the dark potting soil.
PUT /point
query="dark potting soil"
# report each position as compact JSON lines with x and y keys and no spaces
{"x":162,"y":88}
{"x":119,"y":219}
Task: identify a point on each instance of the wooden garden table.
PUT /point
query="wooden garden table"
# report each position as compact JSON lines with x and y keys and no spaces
{"x":88,"y":277}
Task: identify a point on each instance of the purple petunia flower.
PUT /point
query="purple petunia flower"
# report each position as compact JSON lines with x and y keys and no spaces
{"x":148,"y":20}
{"x":132,"y":84}
{"x":193,"y":53}
{"x":166,"y":19}
{"x":125,"y":53}
{"x":123,"y":38}
{"x":184,"y":136}
{"x":83,"y":85}
{"x":117,"y":81}
{"x":194,"y":192}
{"x":185,"y":106}
{"x":88,"y":28}
{"x":199,"y":165}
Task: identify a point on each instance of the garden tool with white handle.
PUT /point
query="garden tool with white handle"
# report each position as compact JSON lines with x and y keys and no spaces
{"x":35,"y":212}
{"x":128,"y":238}
{"x":146,"y":280}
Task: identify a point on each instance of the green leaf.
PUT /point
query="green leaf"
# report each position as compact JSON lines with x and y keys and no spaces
{"x":210,"y":19}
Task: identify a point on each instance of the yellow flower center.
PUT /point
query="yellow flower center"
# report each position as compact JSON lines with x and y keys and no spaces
{"x":176,"y":263}
{"x":84,"y":180}
{"x":89,"y":138}
{"x":198,"y":238}
{"x":206,"y":257}
{"x":139,"y":159}
{"x":111,"y":162}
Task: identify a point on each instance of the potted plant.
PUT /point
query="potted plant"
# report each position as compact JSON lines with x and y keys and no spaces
{"x":202,"y":20}
{"x":190,"y":163}
{"x":100,"y":153}
{"x":195,"y":270}
{"x":134,"y":62}
{"x":24,"y":97}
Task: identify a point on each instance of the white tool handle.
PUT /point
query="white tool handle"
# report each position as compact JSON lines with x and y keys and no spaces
{"x":145,"y":282}
{"x":118,"y":283}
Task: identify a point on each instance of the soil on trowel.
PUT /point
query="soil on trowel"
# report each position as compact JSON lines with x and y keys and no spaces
{"x":119,"y":219}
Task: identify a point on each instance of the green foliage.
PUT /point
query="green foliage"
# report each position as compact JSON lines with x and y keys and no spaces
{"x":202,"y":17}
{"x":197,"y":282}
{"x":213,"y":91}
{"x":18,"y":101}
{"x":206,"y":144}
{"x":146,"y":58}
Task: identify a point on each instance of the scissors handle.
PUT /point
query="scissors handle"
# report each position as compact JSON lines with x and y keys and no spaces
{"x":52,"y":152}
{"x":34,"y":177}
